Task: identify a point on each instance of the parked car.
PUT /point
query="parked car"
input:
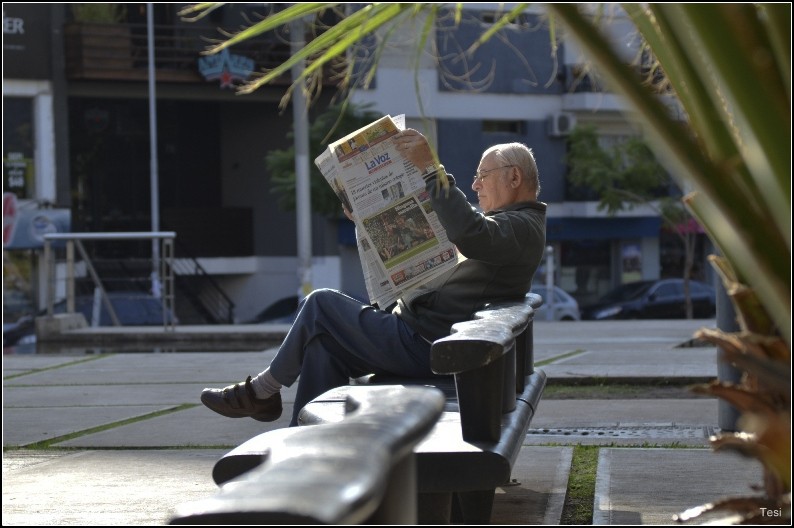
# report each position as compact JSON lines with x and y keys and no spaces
{"x":282,"y":311}
{"x":659,"y":299}
{"x":565,"y":307}
{"x":16,"y":304}
{"x":132,"y":309}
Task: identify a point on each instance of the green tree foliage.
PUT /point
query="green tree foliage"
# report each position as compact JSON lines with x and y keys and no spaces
{"x":628,"y":175}
{"x":338,"y":120}
{"x":623,"y":176}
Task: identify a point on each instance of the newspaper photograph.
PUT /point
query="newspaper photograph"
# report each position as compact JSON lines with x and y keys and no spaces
{"x":401,"y":243}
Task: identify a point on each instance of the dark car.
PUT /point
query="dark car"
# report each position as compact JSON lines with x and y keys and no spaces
{"x":282,"y":311}
{"x":131,"y":308}
{"x":285,"y":310}
{"x":659,"y":299}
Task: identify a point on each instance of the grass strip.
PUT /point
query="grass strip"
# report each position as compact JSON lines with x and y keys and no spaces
{"x":53,"y":367}
{"x":579,"y":497}
{"x":561,"y":356}
{"x":47,"y":444}
{"x":623,"y":391}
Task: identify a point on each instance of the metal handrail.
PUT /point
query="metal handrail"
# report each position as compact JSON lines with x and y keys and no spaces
{"x":163,"y":270}
{"x":213,"y":298}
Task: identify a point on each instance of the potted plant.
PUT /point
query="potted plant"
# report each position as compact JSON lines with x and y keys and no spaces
{"x":99,"y":13}
{"x":98,"y":39}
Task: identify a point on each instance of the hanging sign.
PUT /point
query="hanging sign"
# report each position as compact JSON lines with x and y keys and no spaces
{"x":226,"y":67}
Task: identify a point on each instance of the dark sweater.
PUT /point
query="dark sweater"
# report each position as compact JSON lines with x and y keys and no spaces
{"x":502,"y":251}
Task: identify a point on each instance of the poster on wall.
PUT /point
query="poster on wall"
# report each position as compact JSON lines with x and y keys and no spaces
{"x":18,"y":173}
{"x":18,"y":146}
{"x":25,"y":223}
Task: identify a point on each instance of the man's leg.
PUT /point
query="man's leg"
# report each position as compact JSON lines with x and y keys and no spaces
{"x":334,"y":337}
{"x":376,"y":338}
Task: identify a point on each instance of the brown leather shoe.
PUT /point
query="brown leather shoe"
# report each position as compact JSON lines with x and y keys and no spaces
{"x":239,"y":401}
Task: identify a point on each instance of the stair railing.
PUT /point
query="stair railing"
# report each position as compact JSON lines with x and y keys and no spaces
{"x":162,"y":269}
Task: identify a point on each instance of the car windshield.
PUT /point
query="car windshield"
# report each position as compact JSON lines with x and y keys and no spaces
{"x":626,"y":292}
{"x":699,"y":287}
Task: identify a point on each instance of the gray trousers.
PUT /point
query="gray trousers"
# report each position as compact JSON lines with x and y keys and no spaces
{"x":336,"y":337}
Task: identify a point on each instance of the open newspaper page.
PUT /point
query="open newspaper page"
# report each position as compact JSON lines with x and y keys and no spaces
{"x":401,"y":243}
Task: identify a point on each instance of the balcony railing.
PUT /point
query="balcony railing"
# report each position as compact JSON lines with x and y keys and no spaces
{"x":120,"y":52}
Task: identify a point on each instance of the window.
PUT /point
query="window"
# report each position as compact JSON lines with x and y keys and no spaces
{"x":492,"y":17}
{"x":669,"y":290}
{"x":503,"y":127}
{"x":585,"y":269}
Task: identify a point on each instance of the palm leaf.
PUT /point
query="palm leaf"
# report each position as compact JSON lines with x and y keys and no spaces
{"x":744,"y":399}
{"x":733,"y":204}
{"x":328,"y":46}
{"x":730,"y":39}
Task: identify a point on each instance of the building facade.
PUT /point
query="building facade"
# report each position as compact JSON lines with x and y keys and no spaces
{"x":510,"y":89}
{"x":77,"y":109}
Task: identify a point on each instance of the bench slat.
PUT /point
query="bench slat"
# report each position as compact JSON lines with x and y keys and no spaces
{"x":340,"y":473}
{"x":473,"y":344}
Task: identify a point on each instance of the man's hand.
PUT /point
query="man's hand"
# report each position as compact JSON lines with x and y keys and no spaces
{"x":415,"y":148}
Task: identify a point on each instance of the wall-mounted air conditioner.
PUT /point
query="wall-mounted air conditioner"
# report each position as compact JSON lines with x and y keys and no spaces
{"x":561,"y":124}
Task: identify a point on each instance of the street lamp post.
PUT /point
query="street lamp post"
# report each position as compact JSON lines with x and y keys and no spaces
{"x":302,"y":185}
{"x":153,"y":174}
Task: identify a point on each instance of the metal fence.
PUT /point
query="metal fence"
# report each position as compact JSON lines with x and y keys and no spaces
{"x":80,"y":268}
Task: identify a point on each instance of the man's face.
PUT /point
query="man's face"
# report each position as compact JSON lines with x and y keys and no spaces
{"x":493,"y":184}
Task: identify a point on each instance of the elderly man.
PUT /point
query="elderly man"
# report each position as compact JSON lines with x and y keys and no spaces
{"x":335,"y":337}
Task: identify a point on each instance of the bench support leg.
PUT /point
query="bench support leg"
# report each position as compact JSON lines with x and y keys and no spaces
{"x":399,"y":504}
{"x":473,"y":507}
{"x":434,"y":508}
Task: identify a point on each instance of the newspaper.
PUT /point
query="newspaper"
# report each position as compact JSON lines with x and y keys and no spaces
{"x":401,"y":242}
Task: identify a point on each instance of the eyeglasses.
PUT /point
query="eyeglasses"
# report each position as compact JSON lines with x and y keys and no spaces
{"x":481,"y":175}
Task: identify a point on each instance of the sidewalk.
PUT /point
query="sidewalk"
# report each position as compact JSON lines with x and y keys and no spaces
{"x":129,"y":440}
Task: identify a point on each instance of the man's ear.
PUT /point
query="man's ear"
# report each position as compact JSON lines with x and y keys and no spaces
{"x":515,"y":177}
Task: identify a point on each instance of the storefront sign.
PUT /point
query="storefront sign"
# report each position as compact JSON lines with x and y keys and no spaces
{"x":26,"y":41}
{"x":226,"y":67}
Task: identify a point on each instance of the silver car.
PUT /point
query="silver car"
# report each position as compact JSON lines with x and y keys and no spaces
{"x":565,"y":307}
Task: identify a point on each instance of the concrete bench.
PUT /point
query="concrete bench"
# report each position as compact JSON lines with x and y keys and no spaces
{"x":493,"y":395}
{"x":359,"y":470}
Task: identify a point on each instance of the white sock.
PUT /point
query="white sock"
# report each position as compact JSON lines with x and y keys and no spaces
{"x":265,"y":385}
